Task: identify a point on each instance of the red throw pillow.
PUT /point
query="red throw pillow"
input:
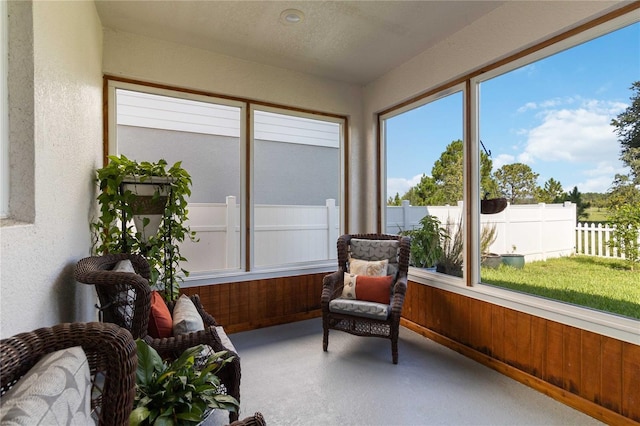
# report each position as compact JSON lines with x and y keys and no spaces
{"x":374,"y":289}
{"x":160,"y":322}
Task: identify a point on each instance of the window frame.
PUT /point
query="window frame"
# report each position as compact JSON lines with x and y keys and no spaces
{"x":247,"y":270}
{"x":4,"y":111}
{"x":601,"y":322}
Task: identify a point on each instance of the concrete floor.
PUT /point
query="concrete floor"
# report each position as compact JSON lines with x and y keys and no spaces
{"x":291,"y":381}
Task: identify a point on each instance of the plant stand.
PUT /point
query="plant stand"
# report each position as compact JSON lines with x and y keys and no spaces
{"x":149,"y":206}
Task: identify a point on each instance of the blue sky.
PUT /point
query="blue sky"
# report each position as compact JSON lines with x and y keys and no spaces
{"x":553,"y":115}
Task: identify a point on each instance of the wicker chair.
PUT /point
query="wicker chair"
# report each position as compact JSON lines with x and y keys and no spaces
{"x":111,"y":354}
{"x":125,"y":299}
{"x":353,"y":322}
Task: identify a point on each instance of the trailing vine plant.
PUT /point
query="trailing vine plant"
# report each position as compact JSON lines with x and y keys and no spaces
{"x":162,"y":250}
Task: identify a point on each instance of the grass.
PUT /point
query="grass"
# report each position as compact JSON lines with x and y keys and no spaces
{"x":604,"y":284}
{"x":597,"y":214}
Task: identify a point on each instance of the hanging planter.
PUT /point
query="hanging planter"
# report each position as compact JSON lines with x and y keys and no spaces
{"x":154,"y":197}
{"x":493,"y":205}
{"x":149,"y":202}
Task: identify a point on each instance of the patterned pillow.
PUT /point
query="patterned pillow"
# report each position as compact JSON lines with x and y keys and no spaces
{"x":377,"y":268}
{"x":125,"y":299}
{"x":186,"y":318}
{"x":370,"y":289}
{"x":56,"y":391}
{"x":375,"y":249}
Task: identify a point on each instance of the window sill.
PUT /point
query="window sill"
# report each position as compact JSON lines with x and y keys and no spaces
{"x":610,"y":325}
{"x":221,"y":277}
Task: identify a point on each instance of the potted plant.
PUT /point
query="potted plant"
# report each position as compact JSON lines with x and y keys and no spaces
{"x":513,"y":259}
{"x":450,"y":262}
{"x":426,"y":246}
{"x":178,"y":392}
{"x":487,"y":237}
{"x":167,"y":190}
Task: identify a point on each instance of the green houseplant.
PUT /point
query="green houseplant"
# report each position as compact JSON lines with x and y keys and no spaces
{"x":451,"y":260}
{"x":178,"y":392}
{"x":170,"y":190}
{"x":426,"y":242}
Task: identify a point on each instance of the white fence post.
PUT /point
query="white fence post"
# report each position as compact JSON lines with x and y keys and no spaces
{"x":405,"y":215}
{"x":332,"y":227}
{"x":232,"y":250}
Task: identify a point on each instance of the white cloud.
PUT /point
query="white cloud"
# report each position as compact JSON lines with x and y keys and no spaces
{"x":401,"y":185}
{"x":575,"y":135}
{"x":501,"y":160}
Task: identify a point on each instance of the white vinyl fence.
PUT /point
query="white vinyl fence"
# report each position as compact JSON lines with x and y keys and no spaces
{"x":593,"y":239}
{"x":289,"y":234}
{"x":539,"y":231}
{"x":284,"y":235}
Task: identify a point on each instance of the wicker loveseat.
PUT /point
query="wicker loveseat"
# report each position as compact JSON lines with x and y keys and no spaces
{"x":125,"y":299}
{"x":365,"y":318}
{"x":111,"y":358}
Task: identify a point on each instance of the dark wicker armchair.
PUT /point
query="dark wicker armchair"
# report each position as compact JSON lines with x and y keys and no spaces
{"x":125,"y":299}
{"x":386,"y":324}
{"x":111,"y":355}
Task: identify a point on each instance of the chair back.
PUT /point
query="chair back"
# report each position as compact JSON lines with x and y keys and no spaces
{"x":371,"y":247}
{"x":125,"y":298}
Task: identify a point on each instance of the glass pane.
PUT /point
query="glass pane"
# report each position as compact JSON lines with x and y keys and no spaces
{"x":556,"y":158}
{"x":424,"y":163}
{"x":205,"y":138}
{"x":296,"y":189}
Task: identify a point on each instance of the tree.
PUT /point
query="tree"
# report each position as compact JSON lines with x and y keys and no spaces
{"x":622,"y":192}
{"x":517,"y":182}
{"x":551,"y":193}
{"x":445,"y":185}
{"x":581,"y":207}
{"x":624,"y":238}
{"x":394,"y":201}
{"x":628,"y":131}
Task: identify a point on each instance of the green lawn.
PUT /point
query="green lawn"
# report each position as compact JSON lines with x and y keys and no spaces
{"x":596,"y":214}
{"x":603,"y":284}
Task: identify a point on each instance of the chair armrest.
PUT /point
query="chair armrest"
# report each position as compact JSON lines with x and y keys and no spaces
{"x":399,"y":291}
{"x":170,"y":347}
{"x":207,"y":318}
{"x":111,"y":354}
{"x":332,"y":286}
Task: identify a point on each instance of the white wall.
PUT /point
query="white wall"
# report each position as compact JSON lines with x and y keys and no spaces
{"x":38,"y":256}
{"x":506,"y":30}
{"x":154,"y":60}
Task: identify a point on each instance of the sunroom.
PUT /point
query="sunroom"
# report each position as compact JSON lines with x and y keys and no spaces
{"x":298,"y":144}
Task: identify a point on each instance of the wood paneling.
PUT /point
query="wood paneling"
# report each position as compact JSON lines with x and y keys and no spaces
{"x":596,"y":374}
{"x":248,"y":305}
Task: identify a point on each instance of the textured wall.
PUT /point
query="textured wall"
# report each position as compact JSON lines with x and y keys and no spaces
{"x":39,"y":254}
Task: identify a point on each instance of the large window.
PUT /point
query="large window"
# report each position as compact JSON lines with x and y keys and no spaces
{"x":424,"y":180}
{"x":296,"y":186}
{"x":543,"y":133}
{"x":281,"y":183}
{"x":556,"y":159}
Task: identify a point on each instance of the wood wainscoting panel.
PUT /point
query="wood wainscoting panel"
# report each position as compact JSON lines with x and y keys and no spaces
{"x":631,"y":381}
{"x":595,"y":374}
{"x":248,"y":305}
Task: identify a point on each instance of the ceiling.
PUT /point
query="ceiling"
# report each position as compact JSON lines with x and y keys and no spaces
{"x":350,"y":41}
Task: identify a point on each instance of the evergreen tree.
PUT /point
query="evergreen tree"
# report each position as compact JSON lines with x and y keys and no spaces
{"x":581,"y":207}
{"x":517,"y":183}
{"x":627,"y":126}
{"x":551,"y":193}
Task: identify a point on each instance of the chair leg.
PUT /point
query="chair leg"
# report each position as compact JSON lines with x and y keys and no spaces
{"x":394,"y":349}
{"x":325,"y":338}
